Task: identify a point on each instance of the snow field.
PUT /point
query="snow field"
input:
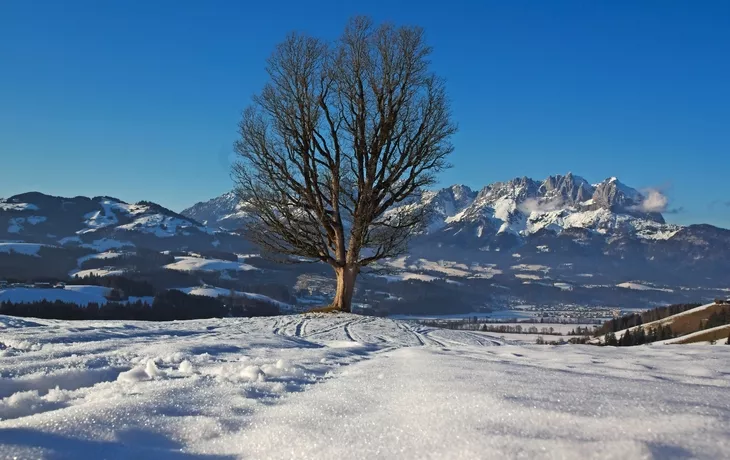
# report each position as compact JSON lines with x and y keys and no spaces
{"x":102,"y":255}
{"x":211,"y":291}
{"x":4,"y":206}
{"x":334,"y":386}
{"x":28,"y":249}
{"x":97,"y":272}
{"x":81,"y":295}
{"x":207,"y":265}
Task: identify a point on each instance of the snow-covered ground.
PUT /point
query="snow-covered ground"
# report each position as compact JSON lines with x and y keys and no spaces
{"x":212,"y":291}
{"x":106,"y":271}
{"x":101,"y":245}
{"x":405,"y":276}
{"x":344,"y":386}
{"x":80,"y":295}
{"x":642,"y":287}
{"x":102,"y":255}
{"x":187,"y":264}
{"x":28,"y":249}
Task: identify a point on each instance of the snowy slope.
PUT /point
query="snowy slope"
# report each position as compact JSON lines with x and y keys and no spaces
{"x":40,"y":218}
{"x":722,"y":332}
{"x":521,"y":206}
{"x":224,"y":211}
{"x":101,"y":255}
{"x":210,"y":291}
{"x":343,"y":386}
{"x":9,"y":206}
{"x":697,"y":313}
{"x":28,"y":249}
{"x":80,"y":295}
{"x":96,"y":272}
{"x":524,"y":206}
{"x":207,"y":265}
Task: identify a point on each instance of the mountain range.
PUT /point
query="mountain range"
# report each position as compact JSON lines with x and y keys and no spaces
{"x":561,"y":217}
{"x":559,"y":240}
{"x":102,"y":223}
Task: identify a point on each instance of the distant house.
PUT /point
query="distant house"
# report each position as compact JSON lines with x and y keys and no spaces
{"x":43,"y":285}
{"x":3,"y":284}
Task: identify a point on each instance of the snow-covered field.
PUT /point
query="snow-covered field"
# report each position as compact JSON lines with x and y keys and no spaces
{"x":344,"y":386}
{"x":642,"y":287}
{"x":28,"y":249}
{"x":212,"y":291}
{"x":81,"y":295}
{"x":187,"y":264}
{"x":108,"y":271}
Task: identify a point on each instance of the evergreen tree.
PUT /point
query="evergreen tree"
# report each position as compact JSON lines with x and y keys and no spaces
{"x":652,"y":335}
{"x":639,"y":336}
{"x":627,"y":339}
{"x":610,"y":340}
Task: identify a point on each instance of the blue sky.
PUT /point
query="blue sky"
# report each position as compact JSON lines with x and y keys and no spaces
{"x":140,"y":99}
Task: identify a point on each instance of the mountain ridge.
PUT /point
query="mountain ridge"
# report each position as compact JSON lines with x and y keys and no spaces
{"x":519,"y":242}
{"x":77,"y":221}
{"x":512,"y":202}
{"x":561,"y":220}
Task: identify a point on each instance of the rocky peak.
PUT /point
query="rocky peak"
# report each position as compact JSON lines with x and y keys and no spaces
{"x":212,"y":211}
{"x":614,"y":195}
{"x":519,"y":189}
{"x":568,"y":189}
{"x":461,"y":194}
{"x":448,"y":201}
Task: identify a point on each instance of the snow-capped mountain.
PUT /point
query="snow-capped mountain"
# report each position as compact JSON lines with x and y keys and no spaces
{"x":522,"y":207}
{"x":562,"y":220}
{"x":225,"y":212}
{"x":511,"y":243}
{"x":99,"y":223}
{"x":519,"y":207}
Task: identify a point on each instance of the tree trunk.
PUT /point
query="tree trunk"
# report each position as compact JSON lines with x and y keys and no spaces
{"x":346,"y":277}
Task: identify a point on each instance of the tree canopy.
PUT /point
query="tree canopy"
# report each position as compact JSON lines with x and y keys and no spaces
{"x":338,"y":140}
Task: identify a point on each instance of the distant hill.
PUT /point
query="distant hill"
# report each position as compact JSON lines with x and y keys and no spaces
{"x":103,"y":223}
{"x":559,"y":247}
{"x":704,"y":323}
{"x":571,"y":232}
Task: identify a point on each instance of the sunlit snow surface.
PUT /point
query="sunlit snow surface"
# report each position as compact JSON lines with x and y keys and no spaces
{"x":344,"y":386}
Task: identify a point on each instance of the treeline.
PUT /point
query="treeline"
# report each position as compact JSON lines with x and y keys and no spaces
{"x":127,"y":286}
{"x":718,"y":318}
{"x":577,"y":340}
{"x":639,"y":336}
{"x":419,"y":297}
{"x":637,"y":319}
{"x":166,"y":306}
{"x":150,"y":283}
{"x":50,"y":262}
{"x":139,"y":260}
{"x":518,"y":329}
{"x":474,"y":324}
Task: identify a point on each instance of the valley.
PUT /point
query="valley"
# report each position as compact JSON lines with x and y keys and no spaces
{"x":558,"y":248}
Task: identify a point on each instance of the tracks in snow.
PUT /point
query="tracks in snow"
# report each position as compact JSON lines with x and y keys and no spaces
{"x":375,"y":331}
{"x":381,"y":333}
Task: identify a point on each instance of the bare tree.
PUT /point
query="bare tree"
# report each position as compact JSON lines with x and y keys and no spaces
{"x":335,"y":144}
